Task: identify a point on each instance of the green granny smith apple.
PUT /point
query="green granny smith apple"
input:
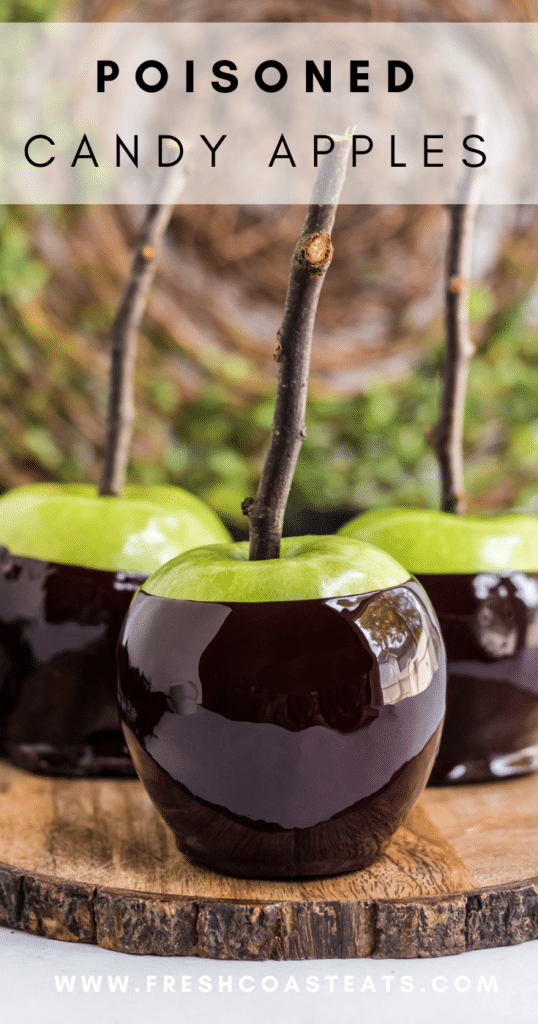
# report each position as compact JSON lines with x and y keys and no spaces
{"x":481,"y":575}
{"x":70,"y":561}
{"x":73,"y":524}
{"x":428,"y":541}
{"x":308,"y":567}
{"x":284,"y":713}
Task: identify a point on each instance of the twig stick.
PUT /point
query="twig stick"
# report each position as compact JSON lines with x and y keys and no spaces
{"x":447,"y":437}
{"x":312,"y":256}
{"x":124,"y":339}
{"x":124,"y":331}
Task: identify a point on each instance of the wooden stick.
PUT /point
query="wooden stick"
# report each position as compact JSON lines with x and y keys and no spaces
{"x":124,"y":340}
{"x":312,"y":256}
{"x":447,"y":437}
{"x":124,"y":331}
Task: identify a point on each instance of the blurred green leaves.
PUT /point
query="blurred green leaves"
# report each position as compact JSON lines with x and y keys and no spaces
{"x":30,"y":10}
{"x":372,"y":449}
{"x":20,"y":275}
{"x":365,"y":450}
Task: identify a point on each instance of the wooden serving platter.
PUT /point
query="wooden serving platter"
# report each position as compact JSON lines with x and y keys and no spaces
{"x":92,"y":861}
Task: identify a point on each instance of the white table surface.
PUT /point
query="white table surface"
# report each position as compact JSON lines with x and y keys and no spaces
{"x":29,"y":967}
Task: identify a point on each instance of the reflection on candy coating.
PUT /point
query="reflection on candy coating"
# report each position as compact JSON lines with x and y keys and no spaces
{"x":59,"y":626}
{"x":305,"y":721}
{"x":489,"y":623}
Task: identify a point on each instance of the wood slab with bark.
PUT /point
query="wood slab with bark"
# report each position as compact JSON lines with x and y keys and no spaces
{"x":92,"y":861}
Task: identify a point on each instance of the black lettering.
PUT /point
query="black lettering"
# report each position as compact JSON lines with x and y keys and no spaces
{"x":322,"y":152}
{"x":393,"y":154}
{"x":471,"y":149}
{"x":35,"y":163}
{"x":427,"y":150}
{"x":213,"y":148}
{"x":79,"y":155}
{"x":141,"y":70}
{"x":282,"y":156}
{"x":231,"y":79}
{"x":324,"y":80}
{"x":408,"y":73}
{"x":355,"y":76}
{"x":133,"y":157}
{"x":175,"y":144}
{"x":361,"y":152}
{"x":258,"y":75}
{"x":189,"y":76}
{"x":102,"y":77}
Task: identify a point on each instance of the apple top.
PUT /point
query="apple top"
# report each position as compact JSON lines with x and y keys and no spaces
{"x":137,"y":532}
{"x":428,"y":541}
{"x":308,"y":567}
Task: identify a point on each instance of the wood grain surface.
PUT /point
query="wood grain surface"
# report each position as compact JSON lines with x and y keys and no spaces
{"x":92,"y":861}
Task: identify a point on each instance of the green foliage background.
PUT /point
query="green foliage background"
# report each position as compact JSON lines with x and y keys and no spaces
{"x":370,"y":449}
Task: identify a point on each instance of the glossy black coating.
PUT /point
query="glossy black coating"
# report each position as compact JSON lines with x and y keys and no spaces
{"x":286,"y":738}
{"x":489,"y":623}
{"x":59,"y":626}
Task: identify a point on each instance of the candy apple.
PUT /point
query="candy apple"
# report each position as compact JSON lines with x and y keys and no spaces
{"x":70,"y":561}
{"x":283,"y":714}
{"x":481,"y":574}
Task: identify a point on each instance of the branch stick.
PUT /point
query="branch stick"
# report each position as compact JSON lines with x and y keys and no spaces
{"x":447,"y":437}
{"x":312,"y":257}
{"x":124,"y":331}
{"x":124,"y":340}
